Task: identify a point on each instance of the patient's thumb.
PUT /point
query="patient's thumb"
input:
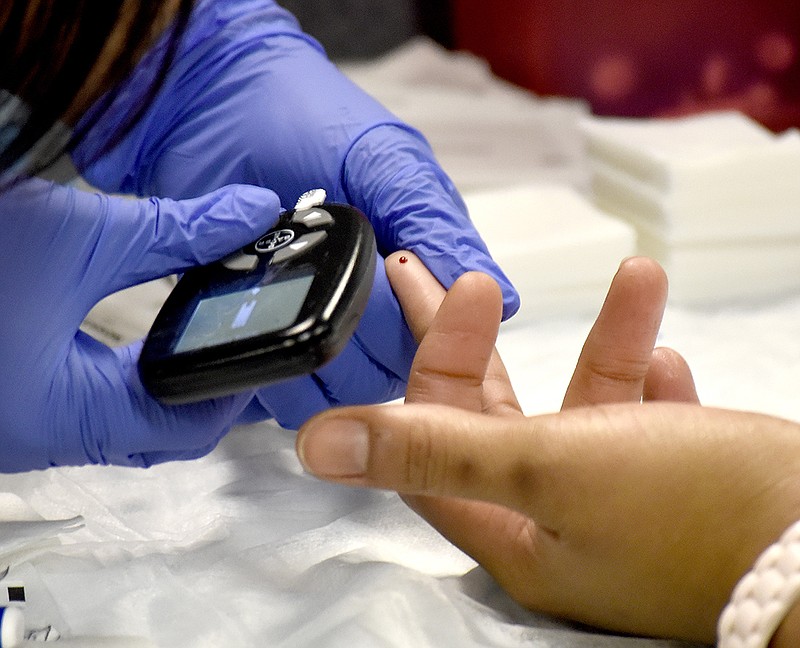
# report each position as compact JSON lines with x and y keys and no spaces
{"x":417,"y":449}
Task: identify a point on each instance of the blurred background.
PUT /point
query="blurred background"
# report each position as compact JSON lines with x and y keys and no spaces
{"x":361,"y":29}
{"x":625,"y":57}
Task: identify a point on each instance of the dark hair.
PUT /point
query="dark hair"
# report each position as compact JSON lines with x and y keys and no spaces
{"x":59,"y":57}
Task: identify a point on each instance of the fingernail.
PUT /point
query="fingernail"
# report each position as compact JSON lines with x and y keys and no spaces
{"x":335,"y":448}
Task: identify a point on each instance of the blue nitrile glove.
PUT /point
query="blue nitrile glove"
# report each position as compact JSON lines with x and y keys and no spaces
{"x":253,"y":99}
{"x":64,"y":397}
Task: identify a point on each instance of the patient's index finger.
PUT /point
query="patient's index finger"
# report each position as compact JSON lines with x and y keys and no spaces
{"x":453,"y":357}
{"x":456,"y":363}
{"x":417,"y":290}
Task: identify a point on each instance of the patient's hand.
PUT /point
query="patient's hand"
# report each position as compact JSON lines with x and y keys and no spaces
{"x":634,"y":517}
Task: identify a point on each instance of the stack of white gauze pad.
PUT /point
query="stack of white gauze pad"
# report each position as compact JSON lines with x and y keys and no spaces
{"x":559,"y":251}
{"x":715,"y":198}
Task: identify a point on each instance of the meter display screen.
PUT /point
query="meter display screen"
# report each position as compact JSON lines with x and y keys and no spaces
{"x":276,"y":309}
{"x":244,"y":314}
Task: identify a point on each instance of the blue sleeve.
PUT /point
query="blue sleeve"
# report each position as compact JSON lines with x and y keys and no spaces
{"x":252,"y":99}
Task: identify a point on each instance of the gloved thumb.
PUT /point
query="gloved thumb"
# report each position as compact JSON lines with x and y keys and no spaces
{"x":150,"y":238}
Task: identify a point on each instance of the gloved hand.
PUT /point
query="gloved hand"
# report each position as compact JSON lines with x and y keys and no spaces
{"x":252,"y":99}
{"x":64,"y":397}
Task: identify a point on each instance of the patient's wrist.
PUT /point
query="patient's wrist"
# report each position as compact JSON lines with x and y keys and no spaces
{"x":766,"y":599}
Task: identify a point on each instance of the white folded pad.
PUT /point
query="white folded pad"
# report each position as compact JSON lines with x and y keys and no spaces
{"x":706,"y":178}
{"x":715,"y":198}
{"x":654,"y":150}
{"x":559,"y":251}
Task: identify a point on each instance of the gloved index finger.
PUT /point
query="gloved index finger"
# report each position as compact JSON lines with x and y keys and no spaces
{"x":391,"y":174}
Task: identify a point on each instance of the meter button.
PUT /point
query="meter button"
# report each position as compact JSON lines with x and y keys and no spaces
{"x":274,"y":240}
{"x":313,"y":218}
{"x":300,"y":246}
{"x":240,"y":261}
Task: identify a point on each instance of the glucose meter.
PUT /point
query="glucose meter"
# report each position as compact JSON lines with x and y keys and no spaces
{"x":280,"y":307}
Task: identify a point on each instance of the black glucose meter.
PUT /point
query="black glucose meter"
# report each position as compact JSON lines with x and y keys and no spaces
{"x":279,"y":308}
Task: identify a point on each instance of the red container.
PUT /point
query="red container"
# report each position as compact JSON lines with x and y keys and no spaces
{"x":645,"y":57}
